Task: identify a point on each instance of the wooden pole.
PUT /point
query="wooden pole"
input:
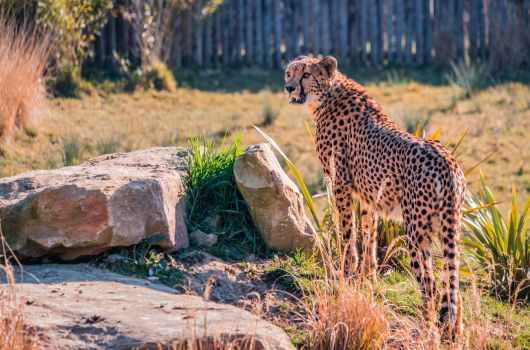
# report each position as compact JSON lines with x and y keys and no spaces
{"x":259,"y":32}
{"x":325,"y":27}
{"x":306,"y":8}
{"x":374,"y":34}
{"x":316,"y":27}
{"x":277,"y":34}
{"x":249,"y":30}
{"x":409,"y":31}
{"x":400,"y":24}
{"x":364,"y":14}
{"x":419,"y":32}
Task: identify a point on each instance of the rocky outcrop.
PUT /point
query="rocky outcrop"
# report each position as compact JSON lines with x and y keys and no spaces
{"x":113,"y":200}
{"x":81,"y":307}
{"x":275,"y":202}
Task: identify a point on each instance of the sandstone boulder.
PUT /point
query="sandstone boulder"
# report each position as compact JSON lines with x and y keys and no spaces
{"x":275,"y":202}
{"x":82,"y":307}
{"x":112,"y":200}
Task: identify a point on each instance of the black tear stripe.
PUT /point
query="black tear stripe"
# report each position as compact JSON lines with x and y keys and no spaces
{"x":302,"y":93}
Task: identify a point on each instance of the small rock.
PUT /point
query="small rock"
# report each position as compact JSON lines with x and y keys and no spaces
{"x":202,"y":239}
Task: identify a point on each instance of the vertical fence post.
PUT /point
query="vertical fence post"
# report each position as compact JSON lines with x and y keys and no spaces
{"x":268,"y":33}
{"x":277,"y":34}
{"x":409,"y":30}
{"x":429,"y":24}
{"x":259,"y":32}
{"x":316,"y":27}
{"x":482,"y":29}
{"x":354,"y":31}
{"x":364,"y":14}
{"x":305,"y":26}
{"x":473,"y":28}
{"x":374,"y":34}
{"x":400,"y":22}
{"x":419,"y":32}
{"x":249,"y":47}
{"x":325,"y":37}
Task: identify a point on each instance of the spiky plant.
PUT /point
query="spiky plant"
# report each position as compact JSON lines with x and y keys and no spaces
{"x":499,"y":244}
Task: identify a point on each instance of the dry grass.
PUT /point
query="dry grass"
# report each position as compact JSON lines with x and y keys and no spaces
{"x":498,"y":119}
{"x":341,"y":312}
{"x":23,"y":56}
{"x":216,"y":343}
{"x":13,"y":336}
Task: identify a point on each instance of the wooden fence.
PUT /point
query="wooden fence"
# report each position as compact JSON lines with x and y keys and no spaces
{"x":267,"y":33}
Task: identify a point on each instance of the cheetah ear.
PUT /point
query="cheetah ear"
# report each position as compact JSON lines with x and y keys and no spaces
{"x":329,"y":63}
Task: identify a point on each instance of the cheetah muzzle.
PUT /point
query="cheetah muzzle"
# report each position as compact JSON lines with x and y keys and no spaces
{"x":391,"y":173}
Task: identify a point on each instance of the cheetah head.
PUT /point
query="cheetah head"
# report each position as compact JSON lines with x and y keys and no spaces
{"x":307,"y":80}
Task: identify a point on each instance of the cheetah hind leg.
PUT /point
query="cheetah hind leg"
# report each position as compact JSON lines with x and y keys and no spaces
{"x":369,"y":244}
{"x":450,"y":313}
{"x":344,"y":206}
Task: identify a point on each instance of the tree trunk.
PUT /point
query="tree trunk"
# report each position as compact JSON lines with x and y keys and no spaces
{"x":482,"y":29}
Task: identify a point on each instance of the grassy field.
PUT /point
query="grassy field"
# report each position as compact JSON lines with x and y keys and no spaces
{"x":212,"y":103}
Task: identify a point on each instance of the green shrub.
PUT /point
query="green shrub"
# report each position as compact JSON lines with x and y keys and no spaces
{"x":498,"y":244}
{"x":214,"y":202}
{"x":270,"y":111}
{"x":74,"y":24}
{"x":144,"y":260}
{"x":109,"y":145}
{"x":470,"y":78}
{"x":153,"y":76}
{"x":71,"y":152}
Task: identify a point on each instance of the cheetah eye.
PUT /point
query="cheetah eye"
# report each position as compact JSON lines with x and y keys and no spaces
{"x":287,"y":74}
{"x":306,"y":75}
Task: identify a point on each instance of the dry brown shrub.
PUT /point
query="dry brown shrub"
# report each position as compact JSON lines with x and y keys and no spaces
{"x":13,"y":335}
{"x":24,"y":55}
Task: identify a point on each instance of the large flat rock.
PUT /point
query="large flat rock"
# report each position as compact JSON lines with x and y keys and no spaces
{"x":82,"y":307}
{"x":112,"y":200}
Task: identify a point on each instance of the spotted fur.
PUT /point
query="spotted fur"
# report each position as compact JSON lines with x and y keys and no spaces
{"x":391,"y":172}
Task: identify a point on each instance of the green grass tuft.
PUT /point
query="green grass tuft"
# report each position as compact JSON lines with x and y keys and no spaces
{"x":214,"y":202}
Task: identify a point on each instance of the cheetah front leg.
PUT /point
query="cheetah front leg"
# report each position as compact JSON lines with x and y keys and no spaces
{"x":344,"y":203}
{"x":369,"y":239}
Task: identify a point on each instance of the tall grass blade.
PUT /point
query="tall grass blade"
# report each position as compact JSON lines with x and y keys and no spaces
{"x":300,"y":181}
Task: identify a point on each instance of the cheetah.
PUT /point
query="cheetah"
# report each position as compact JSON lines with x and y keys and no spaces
{"x":392,"y":174}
